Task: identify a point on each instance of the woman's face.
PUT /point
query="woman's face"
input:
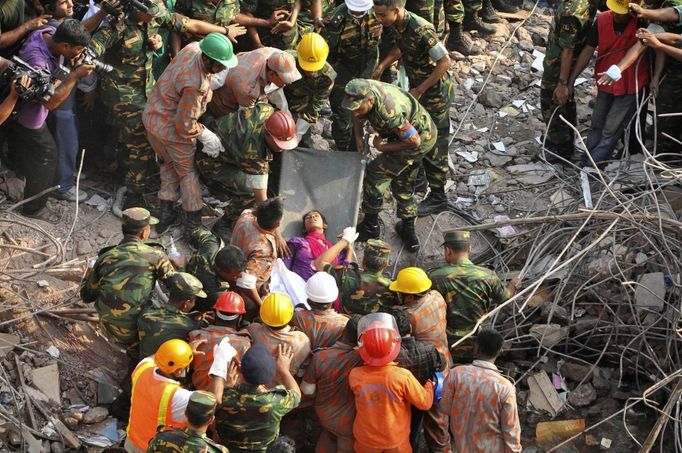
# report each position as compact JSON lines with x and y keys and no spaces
{"x":313,"y":221}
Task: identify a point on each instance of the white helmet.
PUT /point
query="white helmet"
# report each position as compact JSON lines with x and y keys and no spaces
{"x":321,"y":288}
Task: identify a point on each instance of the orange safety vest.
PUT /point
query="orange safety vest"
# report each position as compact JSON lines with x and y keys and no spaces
{"x":150,"y":405}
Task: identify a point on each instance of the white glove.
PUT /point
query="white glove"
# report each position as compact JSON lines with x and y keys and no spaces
{"x":614,"y":73}
{"x":212,"y":146}
{"x":247,"y":281}
{"x":218,"y":80}
{"x":349,"y":234}
{"x":302,"y":127}
{"x":223,"y":353}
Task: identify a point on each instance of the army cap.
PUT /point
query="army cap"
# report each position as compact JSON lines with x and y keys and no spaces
{"x":202,"y":403}
{"x":138,"y":218}
{"x":186,"y":285}
{"x":377,"y":247}
{"x":357,"y":91}
{"x":284,"y":65}
{"x":456,"y":236}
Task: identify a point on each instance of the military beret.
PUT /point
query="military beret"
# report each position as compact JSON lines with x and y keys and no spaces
{"x":377,"y":247}
{"x":186,"y":285}
{"x":201,"y":403}
{"x":138,"y":218}
{"x":457,"y":236}
{"x":356,"y":93}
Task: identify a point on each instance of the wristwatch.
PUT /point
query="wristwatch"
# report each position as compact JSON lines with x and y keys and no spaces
{"x":563,"y":81}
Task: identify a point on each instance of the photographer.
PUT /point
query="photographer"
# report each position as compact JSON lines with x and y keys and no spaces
{"x":10,"y":101}
{"x":32,"y":149}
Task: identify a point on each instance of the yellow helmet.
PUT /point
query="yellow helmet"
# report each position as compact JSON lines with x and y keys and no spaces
{"x":277,"y":310}
{"x":173,"y":355}
{"x":411,"y":280}
{"x":312,"y":52}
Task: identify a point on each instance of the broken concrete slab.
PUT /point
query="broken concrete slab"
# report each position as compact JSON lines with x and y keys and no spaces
{"x":582,"y":396}
{"x":543,"y":395}
{"x":549,"y":334}
{"x":106,"y":394}
{"x":95,"y":415}
{"x":560,"y":199}
{"x":531,"y":174}
{"x":7,"y":343}
{"x":46,"y":379}
{"x":575,"y":372}
{"x":650,"y":291}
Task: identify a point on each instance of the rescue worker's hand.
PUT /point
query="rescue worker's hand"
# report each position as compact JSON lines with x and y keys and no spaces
{"x":378,"y":143}
{"x":194,"y":344}
{"x":233,"y":31}
{"x":155,"y":41}
{"x":376,"y":75}
{"x":38,"y":22}
{"x":350,"y":234}
{"x":278,"y":15}
{"x":561,"y":94}
{"x":24,"y":81}
{"x":284,"y":355}
{"x":416,"y":93}
{"x":223,"y":353}
{"x":612,"y":75}
{"x":282,"y":246}
{"x":232,"y":373}
{"x":212,"y":146}
{"x":648,"y":39}
{"x":282,"y":27}
{"x":636,"y":10}
{"x":319,"y":23}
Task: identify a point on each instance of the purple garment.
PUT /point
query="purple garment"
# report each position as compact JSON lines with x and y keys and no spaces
{"x":301,"y":259}
{"x":34,"y":51}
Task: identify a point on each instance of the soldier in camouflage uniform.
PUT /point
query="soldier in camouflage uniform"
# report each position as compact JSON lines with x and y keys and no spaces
{"x":129,"y":45}
{"x":313,"y":15}
{"x":424,"y":57}
{"x":218,"y":12}
{"x":200,"y":411}
{"x":461,"y":16}
{"x":353,"y":36}
{"x":249,"y":414}
{"x":362,"y":291}
{"x":123,"y":278}
{"x":470,"y":292}
{"x":284,"y":35}
{"x":159,"y":322}
{"x":567,"y":36}
{"x":406,"y":133}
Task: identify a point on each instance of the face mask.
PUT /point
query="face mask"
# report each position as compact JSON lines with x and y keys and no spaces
{"x":358,"y":15}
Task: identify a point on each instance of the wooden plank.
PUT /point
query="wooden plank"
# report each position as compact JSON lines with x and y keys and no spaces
{"x":543,"y":395}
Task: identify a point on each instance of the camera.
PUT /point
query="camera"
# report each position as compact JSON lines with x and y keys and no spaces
{"x":100,"y":67}
{"x":129,"y":5}
{"x":42,"y":81}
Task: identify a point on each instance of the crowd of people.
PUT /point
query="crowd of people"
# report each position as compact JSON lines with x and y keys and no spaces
{"x":213,"y":91}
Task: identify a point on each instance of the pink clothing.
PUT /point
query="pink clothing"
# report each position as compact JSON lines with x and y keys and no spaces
{"x":481,"y":404}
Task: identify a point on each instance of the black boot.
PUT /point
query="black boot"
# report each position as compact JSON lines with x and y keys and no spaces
{"x":488,"y":13}
{"x":132,"y":200}
{"x":369,"y":228}
{"x":473,"y":23}
{"x":192,"y":222}
{"x":223,"y":229}
{"x":167,"y":216}
{"x":505,"y":6}
{"x":435,"y":203}
{"x":459,"y":41}
{"x":405,"y":229}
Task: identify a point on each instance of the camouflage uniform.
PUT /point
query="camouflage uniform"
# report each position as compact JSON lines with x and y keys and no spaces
{"x":569,"y":29}
{"x":670,"y":93}
{"x":234,"y":173}
{"x":272,"y":338}
{"x":122,"y":280}
{"x":159,"y":322}
{"x":264,"y":9}
{"x":353,"y":52}
{"x":240,"y":340}
{"x":392,"y":111}
{"x":421,"y":49}
{"x":248,"y":417}
{"x":206,"y":246}
{"x":125,"y":89}
{"x":222,"y":12}
{"x":304,"y":21}
{"x":322,"y":327}
{"x":454,"y":9}
{"x":308,"y":95}
{"x":422,"y":8}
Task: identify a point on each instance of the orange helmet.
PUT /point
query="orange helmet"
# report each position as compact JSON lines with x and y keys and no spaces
{"x":282,"y":128}
{"x":378,"y":339}
{"x":230,"y":302}
{"x":173,"y":355}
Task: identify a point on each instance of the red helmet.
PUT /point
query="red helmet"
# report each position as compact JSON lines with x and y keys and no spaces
{"x":378,"y":339}
{"x":230,"y":302}
{"x":282,"y":129}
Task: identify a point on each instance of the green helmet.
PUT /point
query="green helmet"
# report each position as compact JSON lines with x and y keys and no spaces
{"x":219,"y":48}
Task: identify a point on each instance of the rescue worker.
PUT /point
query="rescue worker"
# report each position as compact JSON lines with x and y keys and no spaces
{"x":322,"y":324}
{"x":384,"y":393}
{"x":276,"y":314}
{"x":353,"y":35}
{"x":200,"y":414}
{"x":406,"y":133}
{"x":567,"y":35}
{"x":284,"y":34}
{"x":217,"y":12}
{"x":259,"y":73}
{"x":129,"y":45}
{"x":158,"y":399}
{"x":426,"y":64}
{"x":362,"y":291}
{"x":470,"y":291}
{"x":239,"y":175}
{"x":159,"y":322}
{"x":249,"y":414}
{"x":308,"y":95}
{"x":123,"y":277}
{"x":229,"y":311}
{"x":326,"y":378}
{"x":426,"y":310}
{"x":462,"y":16}
{"x":171,"y":118}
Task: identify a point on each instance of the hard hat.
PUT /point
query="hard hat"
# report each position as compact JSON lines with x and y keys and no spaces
{"x":230,"y":302}
{"x":378,"y":339}
{"x":173,"y":355}
{"x":359,"y":5}
{"x":411,"y":280}
{"x":312,"y":52}
{"x":219,"y":48}
{"x":282,"y":129}
{"x":619,"y":6}
{"x":321,"y":288}
{"x":277,"y":310}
